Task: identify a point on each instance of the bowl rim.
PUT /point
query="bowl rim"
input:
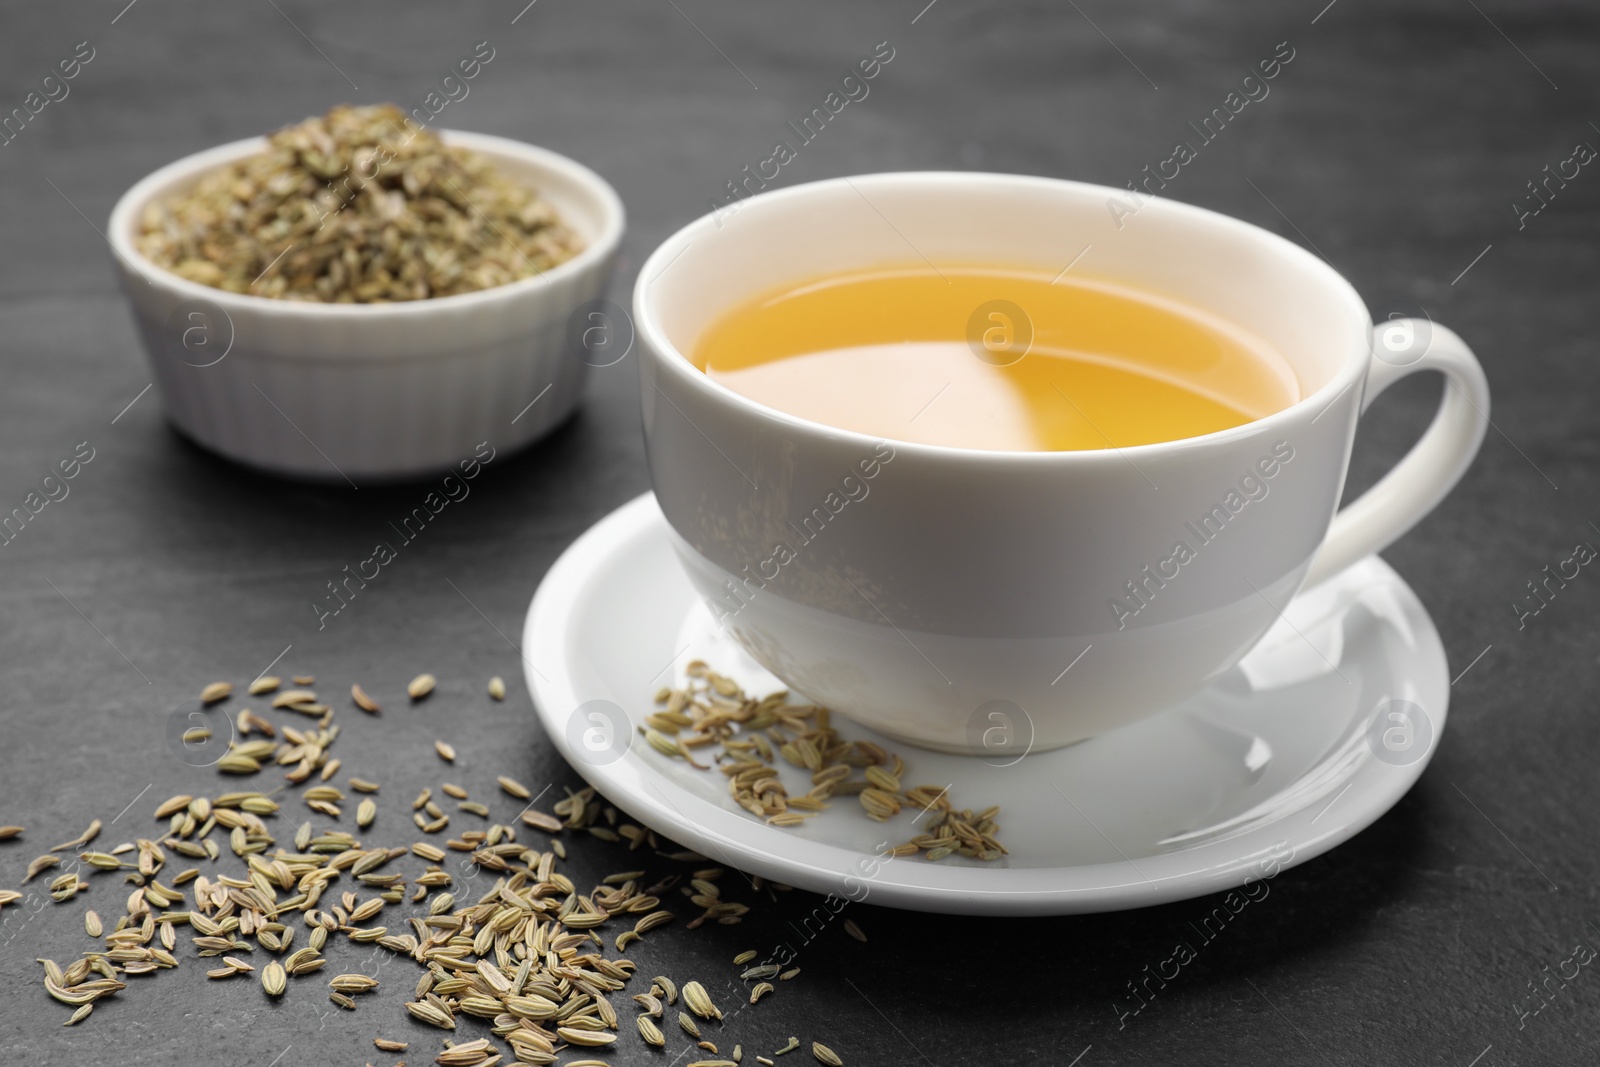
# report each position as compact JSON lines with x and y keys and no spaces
{"x":124,"y":215}
{"x":666,"y":357}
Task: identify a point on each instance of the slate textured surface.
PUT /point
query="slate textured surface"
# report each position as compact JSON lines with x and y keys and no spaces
{"x":1397,"y":141}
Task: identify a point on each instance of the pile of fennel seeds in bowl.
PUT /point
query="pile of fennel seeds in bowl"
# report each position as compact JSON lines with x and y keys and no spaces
{"x":499,"y":937}
{"x":360,"y":205}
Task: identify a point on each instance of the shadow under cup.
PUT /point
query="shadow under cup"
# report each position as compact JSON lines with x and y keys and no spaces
{"x":940,"y":595}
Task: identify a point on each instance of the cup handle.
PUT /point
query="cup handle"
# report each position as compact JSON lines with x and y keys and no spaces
{"x":1431,"y":469}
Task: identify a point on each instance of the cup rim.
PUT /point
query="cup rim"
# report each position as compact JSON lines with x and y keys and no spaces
{"x":669,"y":357}
{"x":124,"y":215}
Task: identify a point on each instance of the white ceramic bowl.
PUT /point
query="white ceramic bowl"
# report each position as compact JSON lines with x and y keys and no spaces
{"x":347,"y":392}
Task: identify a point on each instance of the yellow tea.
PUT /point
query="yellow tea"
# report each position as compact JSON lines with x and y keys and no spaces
{"x":994,"y":359}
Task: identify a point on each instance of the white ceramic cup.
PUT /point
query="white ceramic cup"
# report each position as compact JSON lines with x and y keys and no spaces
{"x":940,"y":594}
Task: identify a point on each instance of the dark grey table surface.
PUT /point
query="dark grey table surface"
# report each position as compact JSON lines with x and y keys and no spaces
{"x":1398,"y":142}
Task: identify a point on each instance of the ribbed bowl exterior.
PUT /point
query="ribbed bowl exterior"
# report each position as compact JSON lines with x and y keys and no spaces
{"x":381,"y":392}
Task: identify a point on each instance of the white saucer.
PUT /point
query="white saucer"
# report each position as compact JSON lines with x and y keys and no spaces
{"x":1319,"y":731}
